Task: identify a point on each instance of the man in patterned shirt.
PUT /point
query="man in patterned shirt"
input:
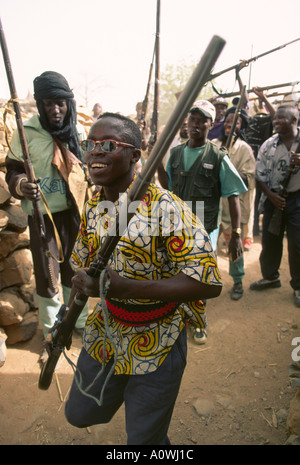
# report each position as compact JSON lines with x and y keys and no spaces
{"x":278,"y":156}
{"x":159,"y":275}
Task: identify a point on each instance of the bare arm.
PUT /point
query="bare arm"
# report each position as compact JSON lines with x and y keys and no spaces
{"x":264,"y":99}
{"x":163,"y":177}
{"x":235,"y":211}
{"x":179,"y":288}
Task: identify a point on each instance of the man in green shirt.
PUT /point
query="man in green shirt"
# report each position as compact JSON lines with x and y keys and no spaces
{"x":201,"y":173}
{"x":53,"y":144}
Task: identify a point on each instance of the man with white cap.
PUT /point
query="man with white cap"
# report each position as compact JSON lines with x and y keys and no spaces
{"x":201,"y":173}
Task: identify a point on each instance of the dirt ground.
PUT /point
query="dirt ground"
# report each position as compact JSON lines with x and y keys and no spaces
{"x":238,"y":380}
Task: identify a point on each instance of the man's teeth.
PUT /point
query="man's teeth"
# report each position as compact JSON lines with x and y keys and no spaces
{"x":98,"y":165}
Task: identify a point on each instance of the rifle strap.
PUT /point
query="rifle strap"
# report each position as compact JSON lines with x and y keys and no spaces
{"x":57,"y":238}
{"x":215,"y":89}
{"x":107,"y":335}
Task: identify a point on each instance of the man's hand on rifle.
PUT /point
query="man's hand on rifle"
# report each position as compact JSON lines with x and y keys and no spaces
{"x":242,"y":64}
{"x":89,"y":286}
{"x":85,"y":284}
{"x":260,"y":94}
{"x":30,"y":190}
{"x":277,"y":200}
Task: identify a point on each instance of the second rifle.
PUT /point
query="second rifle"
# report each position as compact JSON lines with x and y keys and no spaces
{"x":37,"y":212}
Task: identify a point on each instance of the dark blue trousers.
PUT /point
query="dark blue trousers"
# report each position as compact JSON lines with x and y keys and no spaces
{"x":272,"y":245}
{"x":149,"y":399}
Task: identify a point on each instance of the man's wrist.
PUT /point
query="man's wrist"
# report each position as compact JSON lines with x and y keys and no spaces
{"x":237,"y":231}
{"x":18,"y":187}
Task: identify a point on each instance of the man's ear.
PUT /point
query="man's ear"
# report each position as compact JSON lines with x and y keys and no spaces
{"x":136,"y":155}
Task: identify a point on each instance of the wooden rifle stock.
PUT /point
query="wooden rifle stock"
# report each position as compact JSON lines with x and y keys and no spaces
{"x":137,"y":191}
{"x":37,"y":212}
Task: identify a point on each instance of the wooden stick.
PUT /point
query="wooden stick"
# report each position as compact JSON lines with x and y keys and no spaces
{"x":58,"y":387}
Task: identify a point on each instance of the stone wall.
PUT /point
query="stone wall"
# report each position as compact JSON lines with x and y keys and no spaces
{"x":18,"y":310}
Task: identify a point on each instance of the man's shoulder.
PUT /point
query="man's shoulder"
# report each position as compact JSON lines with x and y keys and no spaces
{"x":156,"y":193}
{"x":215,"y":150}
{"x":178,"y":148}
{"x":243,"y":144}
{"x":33,"y":131}
{"x":273,"y":137}
{"x":33,"y":122}
{"x":270,"y":142}
{"x":209,"y":146}
{"x":33,"y":128}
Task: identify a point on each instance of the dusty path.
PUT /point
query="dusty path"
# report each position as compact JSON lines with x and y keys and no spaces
{"x":238,"y":380}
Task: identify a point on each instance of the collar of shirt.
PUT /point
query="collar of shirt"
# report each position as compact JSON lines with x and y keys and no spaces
{"x":297,"y":139}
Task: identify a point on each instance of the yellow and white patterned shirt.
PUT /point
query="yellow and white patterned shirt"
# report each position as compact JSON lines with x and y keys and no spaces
{"x":162,"y":239}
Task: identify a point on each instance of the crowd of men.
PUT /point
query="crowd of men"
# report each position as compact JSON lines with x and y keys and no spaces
{"x":134,"y":342}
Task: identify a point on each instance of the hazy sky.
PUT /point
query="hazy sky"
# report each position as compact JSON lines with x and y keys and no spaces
{"x":105,"y":47}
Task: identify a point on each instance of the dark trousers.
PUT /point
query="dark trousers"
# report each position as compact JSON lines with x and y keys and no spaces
{"x":272,"y":245}
{"x":67,"y":225}
{"x":149,"y":399}
{"x":256,"y":211}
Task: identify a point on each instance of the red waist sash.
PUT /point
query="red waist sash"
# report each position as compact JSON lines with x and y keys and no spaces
{"x":140,"y":314}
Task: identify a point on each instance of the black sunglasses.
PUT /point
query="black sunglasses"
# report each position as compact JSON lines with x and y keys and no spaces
{"x":107,"y":145}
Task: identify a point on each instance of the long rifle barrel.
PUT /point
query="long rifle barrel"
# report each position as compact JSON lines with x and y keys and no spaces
{"x":155,"y":115}
{"x":213,"y":76}
{"x":37,"y":212}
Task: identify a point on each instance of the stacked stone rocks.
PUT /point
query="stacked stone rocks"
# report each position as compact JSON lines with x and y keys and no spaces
{"x":18,"y":316}
{"x":18,"y":310}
